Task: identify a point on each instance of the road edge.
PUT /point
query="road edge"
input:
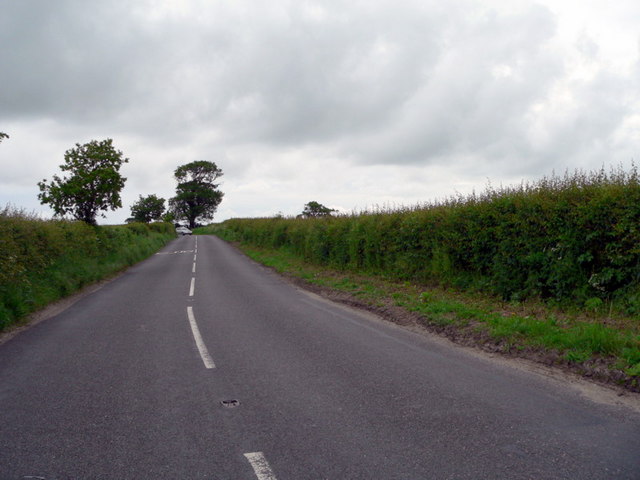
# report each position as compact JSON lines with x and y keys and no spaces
{"x":55,"y":308}
{"x":590,"y":389}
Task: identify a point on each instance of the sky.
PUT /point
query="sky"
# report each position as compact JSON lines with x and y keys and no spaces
{"x":354,"y":104}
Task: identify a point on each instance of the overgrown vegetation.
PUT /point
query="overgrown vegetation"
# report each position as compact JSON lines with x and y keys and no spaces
{"x":44,"y":260}
{"x":574,"y":240}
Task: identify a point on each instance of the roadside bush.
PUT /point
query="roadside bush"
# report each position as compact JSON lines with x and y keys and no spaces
{"x":44,"y":260}
{"x":569,"y":239}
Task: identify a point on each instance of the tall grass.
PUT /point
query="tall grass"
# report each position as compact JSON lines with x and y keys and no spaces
{"x":44,"y":260}
{"x":574,"y":239}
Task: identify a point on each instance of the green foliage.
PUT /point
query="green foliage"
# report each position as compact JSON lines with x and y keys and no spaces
{"x":572,"y":239}
{"x":197,"y":196}
{"x":147,"y":209}
{"x":634,"y":371}
{"x":168,"y":217}
{"x":42,"y":261}
{"x":3,"y":136}
{"x":94,"y":183}
{"x":315,"y":209}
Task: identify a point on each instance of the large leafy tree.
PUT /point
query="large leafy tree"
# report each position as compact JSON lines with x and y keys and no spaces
{"x":197,"y":195}
{"x":315,"y":209}
{"x":93,"y":185}
{"x":147,"y":209}
{"x":3,"y":136}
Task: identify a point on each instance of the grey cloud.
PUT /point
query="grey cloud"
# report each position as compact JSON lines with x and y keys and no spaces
{"x":483,"y":83}
{"x":65,"y":59}
{"x":415,"y":76}
{"x":312,"y":81}
{"x":258,"y":73}
{"x":419,"y":82}
{"x":586,"y":131}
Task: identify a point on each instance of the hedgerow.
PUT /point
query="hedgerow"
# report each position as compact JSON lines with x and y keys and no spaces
{"x":44,"y":260}
{"x":574,"y":239}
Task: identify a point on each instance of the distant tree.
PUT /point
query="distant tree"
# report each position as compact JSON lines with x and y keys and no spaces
{"x":147,"y":209}
{"x":197,"y":196}
{"x":169,"y":217}
{"x":315,"y":209}
{"x":94,"y":183}
{"x":3,"y":136}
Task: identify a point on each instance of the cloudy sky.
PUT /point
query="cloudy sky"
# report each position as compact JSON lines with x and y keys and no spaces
{"x":350,"y":103}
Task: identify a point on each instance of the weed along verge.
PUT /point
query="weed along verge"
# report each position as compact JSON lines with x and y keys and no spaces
{"x":548,"y":271}
{"x":42,"y":261}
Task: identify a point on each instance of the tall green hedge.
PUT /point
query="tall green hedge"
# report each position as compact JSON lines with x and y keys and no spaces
{"x":574,"y":239}
{"x":43,"y":260}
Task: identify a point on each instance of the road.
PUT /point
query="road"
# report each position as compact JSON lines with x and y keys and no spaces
{"x":199,"y":364}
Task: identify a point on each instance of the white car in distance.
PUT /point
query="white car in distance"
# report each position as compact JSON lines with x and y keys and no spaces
{"x":183,"y":231}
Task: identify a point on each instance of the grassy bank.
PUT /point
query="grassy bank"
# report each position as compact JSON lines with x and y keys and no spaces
{"x":44,"y":260}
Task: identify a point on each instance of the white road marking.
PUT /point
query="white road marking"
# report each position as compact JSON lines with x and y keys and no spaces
{"x":195,"y":253}
{"x":192,"y":287}
{"x":202,"y":348}
{"x":174,"y":253}
{"x":260,"y":466}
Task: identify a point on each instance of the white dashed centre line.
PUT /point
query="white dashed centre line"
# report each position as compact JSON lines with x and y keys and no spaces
{"x":202,"y":348}
{"x":193,"y":270}
{"x":192,"y":286}
{"x":260,"y":466}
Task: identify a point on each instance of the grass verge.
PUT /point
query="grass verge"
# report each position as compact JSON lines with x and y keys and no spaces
{"x":606,"y":349}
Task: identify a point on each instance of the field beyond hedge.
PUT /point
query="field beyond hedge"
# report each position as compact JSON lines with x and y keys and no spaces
{"x":44,"y":260}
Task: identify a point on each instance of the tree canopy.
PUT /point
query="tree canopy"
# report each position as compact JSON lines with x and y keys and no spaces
{"x":197,"y":196}
{"x":147,"y":209}
{"x":315,"y":209}
{"x":3,"y":136}
{"x":94,"y":183}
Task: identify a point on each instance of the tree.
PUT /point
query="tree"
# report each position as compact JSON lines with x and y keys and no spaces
{"x":94,"y":183}
{"x":3,"y":136}
{"x":315,"y":209}
{"x":147,"y":209}
{"x":197,"y":196}
{"x":169,"y":217}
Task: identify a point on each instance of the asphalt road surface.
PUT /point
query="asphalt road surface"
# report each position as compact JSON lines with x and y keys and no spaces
{"x":200,"y":364}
